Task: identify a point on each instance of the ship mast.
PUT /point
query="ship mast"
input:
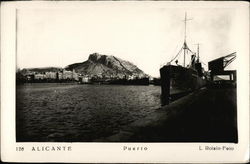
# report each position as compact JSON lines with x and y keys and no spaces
{"x":185,"y":47}
{"x":198,"y":52}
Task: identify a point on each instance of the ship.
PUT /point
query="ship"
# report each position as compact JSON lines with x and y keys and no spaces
{"x":179,"y":80}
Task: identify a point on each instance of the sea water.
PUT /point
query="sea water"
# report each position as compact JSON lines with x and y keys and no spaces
{"x":77,"y":113}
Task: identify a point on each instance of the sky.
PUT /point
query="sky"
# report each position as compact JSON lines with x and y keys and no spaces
{"x":149,"y":36}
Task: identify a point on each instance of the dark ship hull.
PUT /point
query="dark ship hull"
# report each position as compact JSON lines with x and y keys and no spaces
{"x":178,"y":81}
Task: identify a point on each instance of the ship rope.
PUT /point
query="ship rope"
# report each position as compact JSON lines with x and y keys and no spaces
{"x":177,"y":55}
{"x":186,"y":47}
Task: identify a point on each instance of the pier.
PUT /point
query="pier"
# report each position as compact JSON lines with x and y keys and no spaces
{"x":206,"y":115}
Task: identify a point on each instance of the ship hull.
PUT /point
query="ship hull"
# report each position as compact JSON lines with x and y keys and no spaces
{"x":177,"y":80}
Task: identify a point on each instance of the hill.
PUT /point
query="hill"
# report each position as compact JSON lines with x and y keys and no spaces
{"x":105,"y":65}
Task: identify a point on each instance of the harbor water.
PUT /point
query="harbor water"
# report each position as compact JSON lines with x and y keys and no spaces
{"x":76,"y":113}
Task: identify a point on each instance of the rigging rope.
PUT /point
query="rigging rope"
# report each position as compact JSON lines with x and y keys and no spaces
{"x":193,"y":53}
{"x":176,"y":55}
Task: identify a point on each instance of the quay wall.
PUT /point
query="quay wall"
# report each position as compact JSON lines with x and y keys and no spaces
{"x":206,"y":115}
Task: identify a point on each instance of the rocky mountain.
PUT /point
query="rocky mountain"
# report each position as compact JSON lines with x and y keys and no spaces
{"x":98,"y":64}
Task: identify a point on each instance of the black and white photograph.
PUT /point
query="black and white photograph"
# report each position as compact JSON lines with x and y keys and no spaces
{"x":133,"y":72}
{"x":146,"y":75}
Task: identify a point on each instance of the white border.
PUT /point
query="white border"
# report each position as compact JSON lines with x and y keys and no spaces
{"x":113,"y":152}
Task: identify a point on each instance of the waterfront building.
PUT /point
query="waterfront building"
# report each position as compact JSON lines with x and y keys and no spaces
{"x":50,"y":75}
{"x":39,"y":76}
{"x":59,"y":75}
{"x":85,"y":79}
{"x":75,"y":75}
{"x":131,"y":77}
{"x":67,"y":75}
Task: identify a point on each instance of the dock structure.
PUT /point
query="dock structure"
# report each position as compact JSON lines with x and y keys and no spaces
{"x":206,"y":115}
{"x":217,"y":67}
